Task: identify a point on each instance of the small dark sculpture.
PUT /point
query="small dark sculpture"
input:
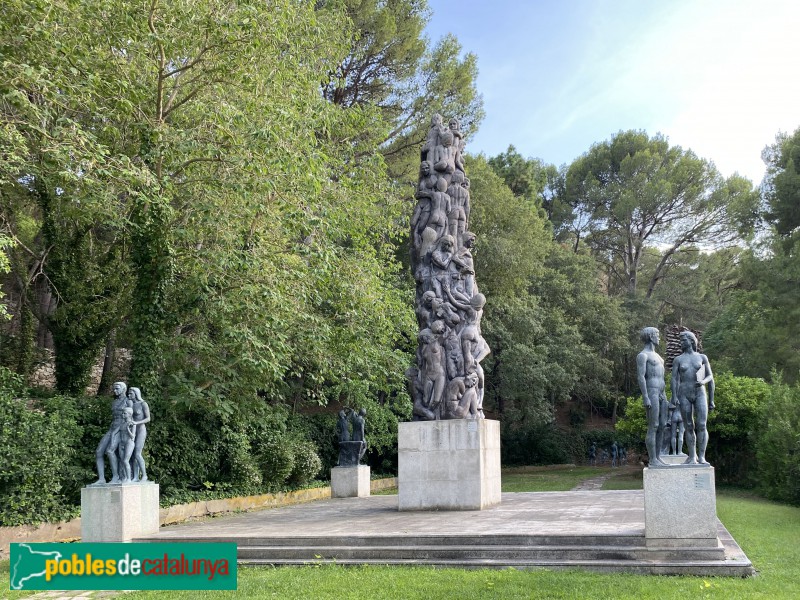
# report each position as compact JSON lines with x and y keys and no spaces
{"x":343,"y":427}
{"x":593,"y":454}
{"x":650,"y":369}
{"x":666,"y":434}
{"x":352,"y":447}
{"x":109,"y":444}
{"x":614,"y":455}
{"x":691,"y":372}
{"x":678,"y":430}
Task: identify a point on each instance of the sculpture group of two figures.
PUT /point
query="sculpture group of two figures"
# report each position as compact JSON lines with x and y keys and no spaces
{"x":691,"y":374}
{"x":123,"y":442}
{"x":448,"y":381}
{"x":352,"y":442}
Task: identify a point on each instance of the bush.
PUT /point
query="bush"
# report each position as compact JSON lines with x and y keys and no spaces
{"x":733,"y":427}
{"x":307,"y":463}
{"x":276,"y":461}
{"x":242,"y":466}
{"x":381,"y":434}
{"x":39,"y":442}
{"x":183,"y":450}
{"x":778,"y":444}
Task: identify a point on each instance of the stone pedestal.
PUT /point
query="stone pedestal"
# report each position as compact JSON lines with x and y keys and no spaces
{"x":674,"y":459}
{"x":680,"y":506}
{"x":119,"y":513}
{"x":350,"y":482}
{"x":448,"y":465}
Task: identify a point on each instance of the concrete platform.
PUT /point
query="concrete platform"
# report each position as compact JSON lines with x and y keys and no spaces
{"x":596,"y":530}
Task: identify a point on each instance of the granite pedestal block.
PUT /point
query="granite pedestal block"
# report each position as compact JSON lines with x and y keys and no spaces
{"x":448,"y":465}
{"x":680,"y":506}
{"x":674,"y":459}
{"x":350,"y":482}
{"x":119,"y":513}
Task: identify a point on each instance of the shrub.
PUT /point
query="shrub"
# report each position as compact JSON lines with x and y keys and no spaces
{"x":778,"y":444}
{"x":242,"y":466}
{"x":183,"y":450}
{"x":39,"y":441}
{"x":733,"y":427}
{"x":276,"y":461}
{"x":307,"y":463}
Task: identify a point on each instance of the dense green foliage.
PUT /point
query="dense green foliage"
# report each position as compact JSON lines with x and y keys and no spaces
{"x":222,"y":189}
{"x":753,"y":434}
{"x":635,"y":190}
{"x":37,"y":459}
{"x":778,"y":449}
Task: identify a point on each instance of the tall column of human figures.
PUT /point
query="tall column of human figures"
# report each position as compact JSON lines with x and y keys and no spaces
{"x":447,"y":382}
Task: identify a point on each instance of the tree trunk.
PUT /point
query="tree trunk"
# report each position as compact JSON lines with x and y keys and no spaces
{"x":108,"y":364}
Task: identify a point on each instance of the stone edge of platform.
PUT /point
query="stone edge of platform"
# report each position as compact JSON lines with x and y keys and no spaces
{"x":68,"y":531}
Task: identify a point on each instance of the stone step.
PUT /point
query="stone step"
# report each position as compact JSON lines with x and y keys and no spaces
{"x":476,"y":552}
{"x":419,"y":540}
{"x":704,"y":568}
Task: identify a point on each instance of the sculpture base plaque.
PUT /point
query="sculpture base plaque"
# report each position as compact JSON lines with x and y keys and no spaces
{"x":680,"y":506}
{"x":119,"y":513}
{"x":350,"y":482}
{"x":449,"y":465}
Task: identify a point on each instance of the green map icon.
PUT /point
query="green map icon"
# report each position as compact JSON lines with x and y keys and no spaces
{"x":29,"y":564}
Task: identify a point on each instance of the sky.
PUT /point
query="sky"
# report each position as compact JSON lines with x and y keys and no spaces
{"x":719,"y":77}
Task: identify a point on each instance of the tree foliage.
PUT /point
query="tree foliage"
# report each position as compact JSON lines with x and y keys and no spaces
{"x":633,"y":191}
{"x":536,"y":182}
{"x":203,"y":199}
{"x":782,"y":184}
{"x":552,"y":331}
{"x":779,"y":444}
{"x":393,"y":67}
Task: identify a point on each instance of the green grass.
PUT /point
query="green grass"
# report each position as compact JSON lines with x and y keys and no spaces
{"x":625,"y":479}
{"x":540,"y":479}
{"x":4,"y":583}
{"x":768,"y":532}
{"x":556,"y":480}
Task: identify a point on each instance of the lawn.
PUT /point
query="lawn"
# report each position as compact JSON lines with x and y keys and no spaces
{"x":541,"y":479}
{"x":627,"y":478}
{"x":560,"y":479}
{"x":768,"y":532}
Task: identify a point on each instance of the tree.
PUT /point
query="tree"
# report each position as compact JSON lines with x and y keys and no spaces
{"x":756,"y":332}
{"x":696,"y":286}
{"x":782,"y":183}
{"x":195,"y":139}
{"x":638,"y":191}
{"x":59,"y":180}
{"x":553,"y":333}
{"x":536,"y":182}
{"x":393,"y":67}
{"x":5,"y":242}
